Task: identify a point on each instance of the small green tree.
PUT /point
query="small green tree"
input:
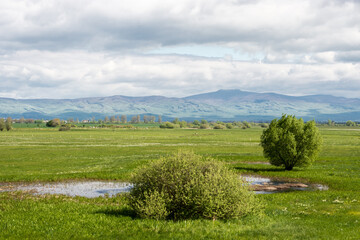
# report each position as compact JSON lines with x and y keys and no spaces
{"x":196,"y":122}
{"x":53,"y":123}
{"x":8,"y":124}
{"x":167,"y":125}
{"x":2,"y":124}
{"x":246,"y":124}
{"x":176,"y":121}
{"x":350,"y":123}
{"x":290,"y":142}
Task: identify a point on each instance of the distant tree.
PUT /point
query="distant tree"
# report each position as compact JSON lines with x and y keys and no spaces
{"x":196,"y":122}
{"x":22,"y":120}
{"x":138,"y":119}
{"x":123,"y":119}
{"x":290,"y":142}
{"x":203,"y":121}
{"x":8,"y":124}
{"x":350,"y":123}
{"x":152,"y":119}
{"x":112,"y":119}
{"x":70,"y":120}
{"x":106,"y":119}
{"x":117,"y":119}
{"x":330,"y":123}
{"x":183,"y":124}
{"x":204,"y":126}
{"x":77,"y":120}
{"x":167,"y":125}
{"x":159,"y":119}
{"x":93,"y":119}
{"x":134,"y":119}
{"x":176,"y":121}
{"x":53,"y":123}
{"x":246,"y":124}
{"x":2,"y":124}
{"x":219,"y":126}
{"x":29,"y":120}
{"x":146,"y":119}
{"x":229,"y":126}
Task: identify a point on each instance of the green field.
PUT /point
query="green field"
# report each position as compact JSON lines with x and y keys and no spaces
{"x":28,"y":155}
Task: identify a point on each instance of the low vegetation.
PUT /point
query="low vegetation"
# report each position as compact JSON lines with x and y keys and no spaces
{"x":32,"y":154}
{"x":184,"y":186}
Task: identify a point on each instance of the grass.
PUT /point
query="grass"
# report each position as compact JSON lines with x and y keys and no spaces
{"x":29,"y":154}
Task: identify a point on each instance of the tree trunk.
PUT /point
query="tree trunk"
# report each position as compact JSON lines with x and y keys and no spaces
{"x":288,"y":168}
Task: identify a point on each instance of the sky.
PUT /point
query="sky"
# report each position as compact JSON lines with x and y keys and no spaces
{"x":89,"y":48}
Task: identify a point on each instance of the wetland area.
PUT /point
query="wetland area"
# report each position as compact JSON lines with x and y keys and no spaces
{"x":93,"y":189}
{"x":102,"y":161}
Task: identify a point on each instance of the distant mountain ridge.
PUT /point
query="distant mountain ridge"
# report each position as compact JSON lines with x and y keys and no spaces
{"x":225,"y":105}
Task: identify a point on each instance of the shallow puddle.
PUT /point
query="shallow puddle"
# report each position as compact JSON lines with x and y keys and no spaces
{"x":262,"y":185}
{"x":92,"y":189}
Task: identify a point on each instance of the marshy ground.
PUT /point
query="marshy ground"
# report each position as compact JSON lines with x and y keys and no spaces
{"x":42,"y":155}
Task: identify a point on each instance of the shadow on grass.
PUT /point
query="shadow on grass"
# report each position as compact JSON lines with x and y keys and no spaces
{"x":261,"y":169}
{"x":125,"y":212}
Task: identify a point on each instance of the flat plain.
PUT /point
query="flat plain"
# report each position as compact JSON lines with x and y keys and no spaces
{"x":47,"y":155}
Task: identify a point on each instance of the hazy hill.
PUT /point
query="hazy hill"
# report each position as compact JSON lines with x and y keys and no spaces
{"x":220,"y":105}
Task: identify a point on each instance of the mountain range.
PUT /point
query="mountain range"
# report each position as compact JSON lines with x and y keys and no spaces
{"x":224,"y":105}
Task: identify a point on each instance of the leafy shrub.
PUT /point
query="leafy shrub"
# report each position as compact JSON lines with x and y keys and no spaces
{"x":167,"y":125}
{"x":246,"y":125}
{"x":290,"y":142}
{"x":65,"y":127}
{"x":219,"y":126}
{"x":204,"y":126}
{"x":229,"y":126}
{"x":184,"y":185}
{"x":53,"y":123}
{"x":196,"y":122}
{"x":350,"y":123}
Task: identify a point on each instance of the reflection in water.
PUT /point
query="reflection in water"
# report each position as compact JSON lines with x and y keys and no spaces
{"x":85,"y":189}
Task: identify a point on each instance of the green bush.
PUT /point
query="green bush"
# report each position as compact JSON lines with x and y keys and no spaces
{"x":167,"y":125}
{"x":219,"y":126}
{"x":204,"y":126}
{"x":65,"y":127}
{"x":246,"y":125}
{"x":184,"y":186}
{"x":290,"y":142}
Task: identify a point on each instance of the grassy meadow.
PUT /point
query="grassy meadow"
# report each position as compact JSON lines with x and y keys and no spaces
{"x":43,"y":155}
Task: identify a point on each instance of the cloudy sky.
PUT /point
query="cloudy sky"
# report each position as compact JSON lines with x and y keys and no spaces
{"x":85,"y":48}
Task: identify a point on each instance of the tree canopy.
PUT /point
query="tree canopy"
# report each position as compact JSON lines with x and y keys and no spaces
{"x":290,"y":142}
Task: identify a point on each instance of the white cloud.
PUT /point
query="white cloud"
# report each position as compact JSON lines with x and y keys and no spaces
{"x":82,"y":74}
{"x":86,"y":48}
